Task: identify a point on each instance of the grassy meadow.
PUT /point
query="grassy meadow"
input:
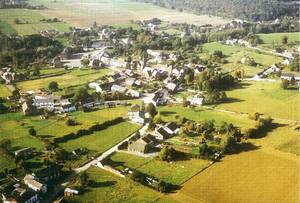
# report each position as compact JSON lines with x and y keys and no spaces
{"x":175,"y":172}
{"x":111,"y":188}
{"x":168,"y":113}
{"x":74,"y":78}
{"x":4,"y":91}
{"x":30,"y":22}
{"x":84,"y":13}
{"x":264,"y":97}
{"x":293,"y":37}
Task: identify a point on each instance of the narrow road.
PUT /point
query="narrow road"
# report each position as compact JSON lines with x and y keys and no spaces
{"x":106,"y":153}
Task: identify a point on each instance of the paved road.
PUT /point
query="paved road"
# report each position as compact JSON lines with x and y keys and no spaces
{"x":106,"y":153}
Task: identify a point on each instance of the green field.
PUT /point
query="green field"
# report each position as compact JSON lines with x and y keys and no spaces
{"x":236,"y":53}
{"x":74,"y":78}
{"x":4,"y":91}
{"x":264,"y":97}
{"x":104,"y":12}
{"x":102,"y":140}
{"x":30,"y":22}
{"x":110,"y":188}
{"x":6,"y":162}
{"x":168,"y":113}
{"x":175,"y":172}
{"x":277,"y":37}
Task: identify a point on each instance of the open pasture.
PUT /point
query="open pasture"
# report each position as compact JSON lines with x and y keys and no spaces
{"x":74,"y":78}
{"x":110,"y":188}
{"x":175,"y":172}
{"x":293,"y":37}
{"x":248,"y":177}
{"x":168,"y":113}
{"x":264,"y":97}
{"x":84,"y":13}
{"x":29,"y":22}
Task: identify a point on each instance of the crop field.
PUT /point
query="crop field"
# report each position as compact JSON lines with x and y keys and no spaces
{"x":84,"y":13}
{"x":30,"y":22}
{"x":293,"y":37}
{"x":110,"y":188}
{"x":168,"y":113}
{"x":175,"y":172}
{"x":4,"y":91}
{"x":248,"y":177}
{"x":73,"y":79}
{"x":102,"y":140}
{"x":264,"y":97}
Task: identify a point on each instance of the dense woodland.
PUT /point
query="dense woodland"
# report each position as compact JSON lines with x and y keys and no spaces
{"x":244,"y":9}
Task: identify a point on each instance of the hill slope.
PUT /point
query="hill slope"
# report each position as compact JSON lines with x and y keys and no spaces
{"x":243,"y":9}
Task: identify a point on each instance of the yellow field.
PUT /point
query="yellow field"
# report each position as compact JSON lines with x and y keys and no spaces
{"x":84,"y":13}
{"x":253,"y":176}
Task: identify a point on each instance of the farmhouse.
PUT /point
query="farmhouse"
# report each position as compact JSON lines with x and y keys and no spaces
{"x":136,"y":115}
{"x":142,"y":145}
{"x":32,"y":183}
{"x":161,"y":133}
{"x":289,"y":76}
{"x":118,"y":88}
{"x":70,"y":192}
{"x":196,"y":100}
{"x":172,"y":128}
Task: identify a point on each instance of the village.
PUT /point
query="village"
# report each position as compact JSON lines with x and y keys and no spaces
{"x":134,"y":81}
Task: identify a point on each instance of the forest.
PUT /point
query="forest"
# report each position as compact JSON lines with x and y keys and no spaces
{"x":254,"y":10}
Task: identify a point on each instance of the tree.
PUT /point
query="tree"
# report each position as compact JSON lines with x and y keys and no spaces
{"x":16,"y":94}
{"x":53,"y":86}
{"x":167,"y":154}
{"x":70,"y":122}
{"x":285,"y":83}
{"x":32,"y":132}
{"x":285,"y":39}
{"x":151,"y":109}
{"x":17,"y":21}
{"x":81,"y":94}
{"x":85,"y":62}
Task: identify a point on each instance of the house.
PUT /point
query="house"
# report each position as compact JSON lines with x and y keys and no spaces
{"x":24,"y":152}
{"x":133,"y":93}
{"x":142,"y":145}
{"x":136,"y":115}
{"x":289,"y":76}
{"x":28,"y":108}
{"x":129,"y":82}
{"x":172,"y":128}
{"x":160,"y":97}
{"x":57,"y":63}
{"x":68,"y":192}
{"x":161,"y":134}
{"x":66,"y":106}
{"x":171,"y":87}
{"x":95,"y":86}
{"x":32,"y":183}
{"x":195,"y":100}
{"x":12,"y":191}
{"x":45,"y":102}
{"x":118,"y":88}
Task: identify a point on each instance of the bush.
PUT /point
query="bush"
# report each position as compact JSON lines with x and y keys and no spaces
{"x":71,"y":122}
{"x":32,"y":132}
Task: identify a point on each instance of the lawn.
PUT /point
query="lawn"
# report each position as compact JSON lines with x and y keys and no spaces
{"x":264,"y":97}
{"x":30,"y":22}
{"x":4,"y":91}
{"x":277,"y":37}
{"x":248,"y":177}
{"x":168,"y":113}
{"x":15,"y":126}
{"x":75,"y":78}
{"x":110,"y":188}
{"x":174,"y":172}
{"x":12,"y":127}
{"x":107,"y":12}
{"x":102,"y":140}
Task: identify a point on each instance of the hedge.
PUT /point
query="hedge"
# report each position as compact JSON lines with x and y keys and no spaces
{"x":89,"y":131}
